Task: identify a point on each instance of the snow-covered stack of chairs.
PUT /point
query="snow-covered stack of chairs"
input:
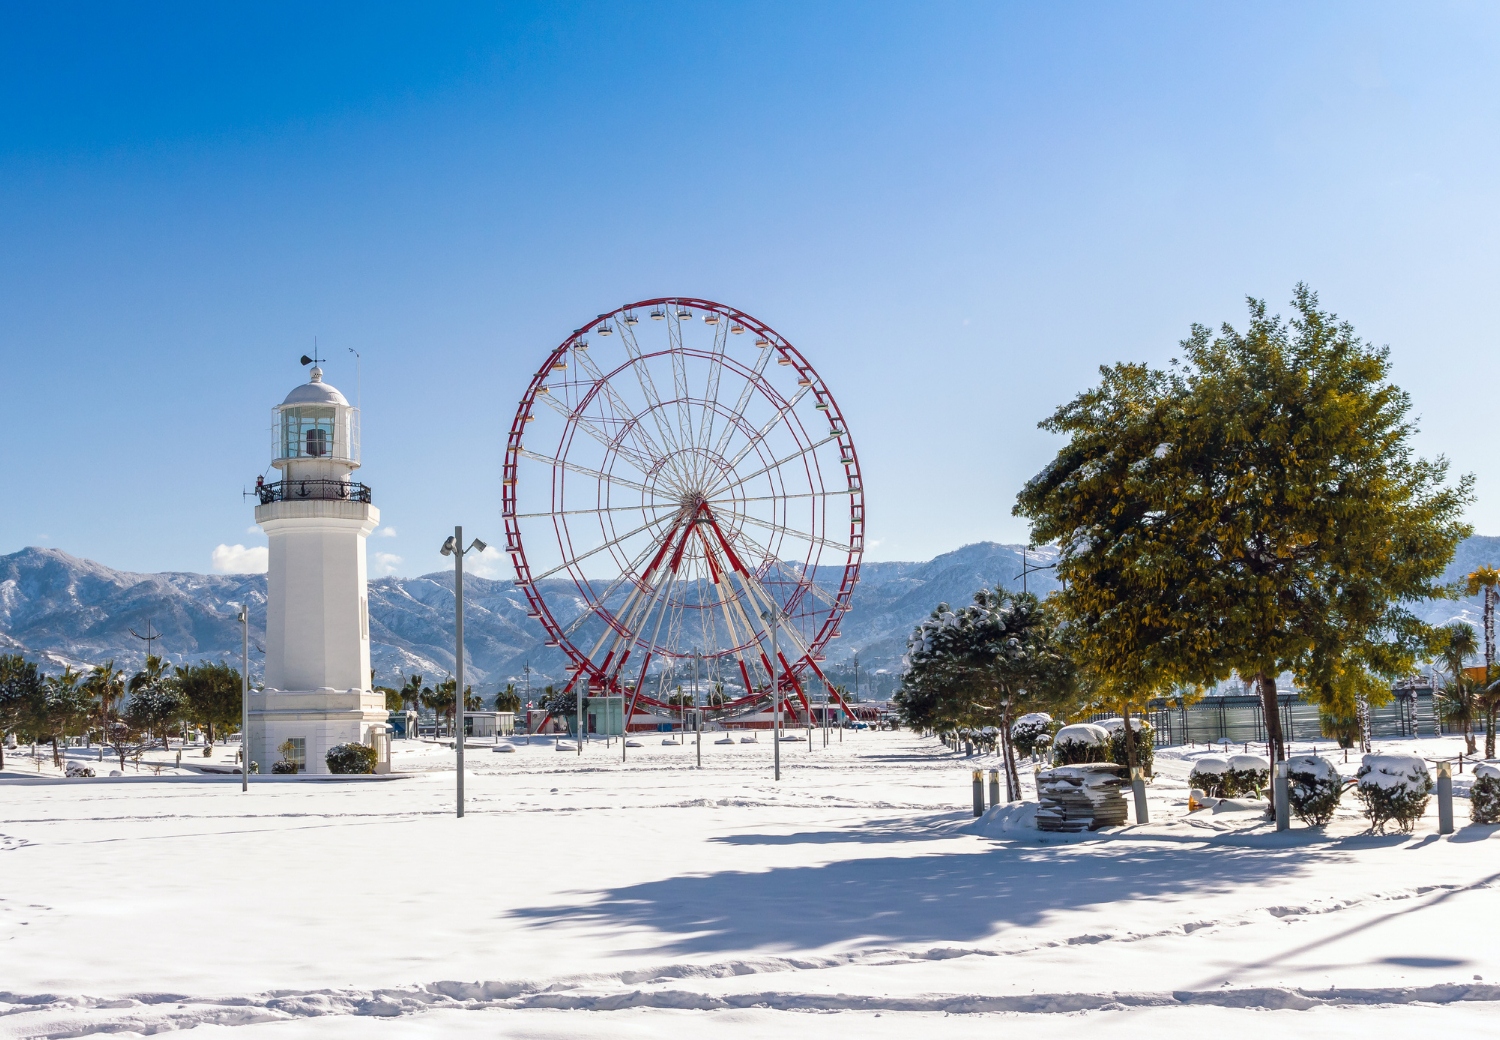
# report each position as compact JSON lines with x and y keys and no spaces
{"x":1081,"y":797}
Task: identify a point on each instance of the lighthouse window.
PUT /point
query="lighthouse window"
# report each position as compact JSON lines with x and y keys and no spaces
{"x":308,"y":433}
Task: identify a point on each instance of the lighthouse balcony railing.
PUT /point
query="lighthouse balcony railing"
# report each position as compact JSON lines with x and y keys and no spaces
{"x":312,"y":490}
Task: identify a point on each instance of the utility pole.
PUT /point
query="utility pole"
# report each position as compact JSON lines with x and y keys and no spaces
{"x":244,"y":697}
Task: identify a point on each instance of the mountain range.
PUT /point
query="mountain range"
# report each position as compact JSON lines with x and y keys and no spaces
{"x":61,"y":610}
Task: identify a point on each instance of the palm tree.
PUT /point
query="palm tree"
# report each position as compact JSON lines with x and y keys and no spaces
{"x":1459,"y":645}
{"x":1485,"y":581}
{"x":104,"y":687}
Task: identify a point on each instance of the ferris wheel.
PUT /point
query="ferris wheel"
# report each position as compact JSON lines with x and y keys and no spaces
{"x":678,"y":481}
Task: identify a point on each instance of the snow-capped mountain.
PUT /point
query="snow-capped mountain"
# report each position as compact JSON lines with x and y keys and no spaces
{"x":59,"y":609}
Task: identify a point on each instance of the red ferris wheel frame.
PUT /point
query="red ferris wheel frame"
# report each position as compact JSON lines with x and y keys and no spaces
{"x":711,"y":533}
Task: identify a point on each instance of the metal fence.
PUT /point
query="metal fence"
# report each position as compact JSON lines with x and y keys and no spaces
{"x":1240,"y":720}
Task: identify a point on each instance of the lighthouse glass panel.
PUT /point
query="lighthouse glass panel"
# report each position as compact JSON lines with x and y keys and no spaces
{"x":307,"y":433}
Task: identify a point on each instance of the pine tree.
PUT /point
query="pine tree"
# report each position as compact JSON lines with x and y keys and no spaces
{"x":21,"y":694}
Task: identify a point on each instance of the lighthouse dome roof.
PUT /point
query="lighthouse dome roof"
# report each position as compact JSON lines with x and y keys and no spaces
{"x":315,"y":391}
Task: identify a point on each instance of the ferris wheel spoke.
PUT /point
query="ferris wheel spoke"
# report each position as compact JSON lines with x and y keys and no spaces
{"x":602,"y":600}
{"x":794,"y":533}
{"x":760,"y":435}
{"x":653,"y":399}
{"x":756,"y":548}
{"x":751,"y":382}
{"x":566,"y":564}
{"x":625,"y":415}
{"x":711,"y":385}
{"x":642,"y":463}
{"x":679,"y":380}
{"x":780,"y":498}
{"x":729,"y":606}
{"x":582,"y":470}
{"x":721,"y":488}
{"x":594,"y":510}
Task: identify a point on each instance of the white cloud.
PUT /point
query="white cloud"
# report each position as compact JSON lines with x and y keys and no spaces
{"x":236,"y":559}
{"x":492,"y":563}
{"x":253,"y":529}
{"x":387,"y":532}
{"x":386,"y":564}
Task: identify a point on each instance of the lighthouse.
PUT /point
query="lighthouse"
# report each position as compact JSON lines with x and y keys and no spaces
{"x":316,"y":516}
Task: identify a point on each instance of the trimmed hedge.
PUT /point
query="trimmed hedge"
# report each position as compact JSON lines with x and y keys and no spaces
{"x":1080,"y":744}
{"x":1484,"y":796}
{"x":350,"y":758}
{"x":1207,"y":775}
{"x":1313,"y":789}
{"x":1027,"y":731}
{"x":1246,"y":774}
{"x":1393,"y":788}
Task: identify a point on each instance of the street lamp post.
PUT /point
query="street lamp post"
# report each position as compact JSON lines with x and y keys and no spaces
{"x":773,"y":618}
{"x":454,"y":547}
{"x":244,"y":697}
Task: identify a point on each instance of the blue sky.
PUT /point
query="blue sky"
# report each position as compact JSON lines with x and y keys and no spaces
{"x":956,"y":211}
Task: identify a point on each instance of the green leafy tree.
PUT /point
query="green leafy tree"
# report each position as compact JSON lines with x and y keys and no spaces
{"x":155,"y":702}
{"x":394,"y":700}
{"x":22,"y":690}
{"x":1258,"y":510}
{"x":211,"y":696}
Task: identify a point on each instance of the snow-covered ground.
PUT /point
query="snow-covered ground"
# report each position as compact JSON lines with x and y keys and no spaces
{"x":585,"y":898}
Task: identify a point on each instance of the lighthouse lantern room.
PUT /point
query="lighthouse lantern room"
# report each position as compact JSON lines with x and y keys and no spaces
{"x":318,"y":690}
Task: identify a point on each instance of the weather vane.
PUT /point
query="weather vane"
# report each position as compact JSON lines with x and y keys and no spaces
{"x":314,"y":360}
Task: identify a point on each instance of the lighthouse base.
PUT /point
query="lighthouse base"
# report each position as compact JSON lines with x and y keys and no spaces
{"x":306,"y":723}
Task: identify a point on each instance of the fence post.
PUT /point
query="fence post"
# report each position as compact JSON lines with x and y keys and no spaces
{"x":994,"y":787}
{"x":979,"y":792}
{"x":1281,"y":795}
{"x":1138,"y":785}
{"x":1445,"y":797}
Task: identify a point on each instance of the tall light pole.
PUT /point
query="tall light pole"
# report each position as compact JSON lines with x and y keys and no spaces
{"x":773,"y":618}
{"x":244,"y":697}
{"x":454,"y":547}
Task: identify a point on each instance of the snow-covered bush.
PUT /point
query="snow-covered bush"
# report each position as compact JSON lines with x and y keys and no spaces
{"x":1145,"y":740}
{"x":1080,"y":743}
{"x":1484,"y":795}
{"x":1313,"y":789}
{"x":1207,"y":774}
{"x":285,"y":765}
{"x":79,"y":769}
{"x":1393,"y":787}
{"x":350,"y":758}
{"x":1246,"y":774}
{"x":1027,"y":731}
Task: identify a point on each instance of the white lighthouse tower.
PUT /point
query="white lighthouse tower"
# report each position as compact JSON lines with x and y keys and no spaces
{"x":317,"y":681}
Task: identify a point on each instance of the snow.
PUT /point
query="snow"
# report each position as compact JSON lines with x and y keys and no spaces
{"x":1248,"y":763}
{"x":1082,"y":733}
{"x":1391,"y":771}
{"x":1211,"y":765}
{"x":1117,"y":725}
{"x":1487,"y":770}
{"x":583,"y":897}
{"x":1314,"y":765}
